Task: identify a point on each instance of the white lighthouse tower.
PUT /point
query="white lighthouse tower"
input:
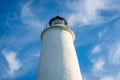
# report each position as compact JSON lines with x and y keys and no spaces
{"x":58,"y":60}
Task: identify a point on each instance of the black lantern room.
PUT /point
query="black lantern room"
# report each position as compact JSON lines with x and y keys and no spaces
{"x":57,"y":20}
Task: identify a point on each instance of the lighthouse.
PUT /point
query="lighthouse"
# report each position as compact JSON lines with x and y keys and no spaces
{"x":58,"y":59}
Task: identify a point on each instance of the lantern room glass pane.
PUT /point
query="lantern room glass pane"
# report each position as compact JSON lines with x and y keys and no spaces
{"x":58,"y":21}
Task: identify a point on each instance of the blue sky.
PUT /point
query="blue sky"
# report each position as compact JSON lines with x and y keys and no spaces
{"x":96,"y":24}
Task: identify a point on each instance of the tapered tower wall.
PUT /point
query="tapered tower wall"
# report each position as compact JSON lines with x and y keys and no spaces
{"x":58,"y":60}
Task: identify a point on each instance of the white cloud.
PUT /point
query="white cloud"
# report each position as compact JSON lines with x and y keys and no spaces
{"x":114,"y":55}
{"x":13,"y":63}
{"x":107,"y":78}
{"x":101,"y":34}
{"x":36,"y":54}
{"x":110,"y":53}
{"x":87,"y":12}
{"x":117,"y":76}
{"x":98,"y":66}
{"x":111,"y":77}
{"x":96,"y":49}
{"x":28,"y":17}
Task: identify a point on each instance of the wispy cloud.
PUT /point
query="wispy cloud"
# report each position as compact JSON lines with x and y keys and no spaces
{"x":101,"y":34}
{"x":111,"y":77}
{"x":110,"y":54}
{"x":19,"y":39}
{"x":87,"y":12}
{"x":107,"y":78}
{"x":96,"y":49}
{"x":98,"y":66}
{"x":17,"y":67}
{"x":13,"y":62}
{"x":114,"y":56}
{"x":36,"y":54}
{"x":27,"y":16}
